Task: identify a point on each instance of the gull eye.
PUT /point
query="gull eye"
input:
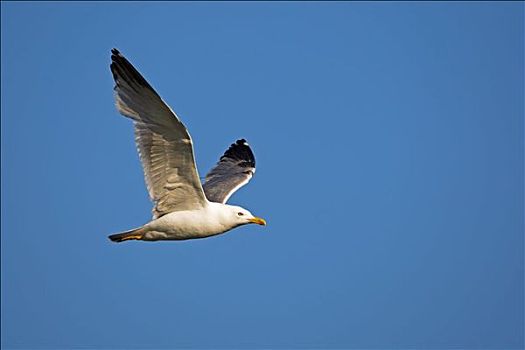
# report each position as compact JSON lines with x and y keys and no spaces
{"x":240,"y":213}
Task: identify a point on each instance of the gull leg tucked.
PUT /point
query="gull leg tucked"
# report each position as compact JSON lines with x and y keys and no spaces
{"x":135,"y":234}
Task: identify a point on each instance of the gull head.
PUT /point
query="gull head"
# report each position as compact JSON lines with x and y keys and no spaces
{"x":242,"y":216}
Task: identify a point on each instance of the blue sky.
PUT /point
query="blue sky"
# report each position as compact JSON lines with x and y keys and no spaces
{"x":389,"y":145}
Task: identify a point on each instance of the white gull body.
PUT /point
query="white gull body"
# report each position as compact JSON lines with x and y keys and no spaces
{"x":213,"y":219}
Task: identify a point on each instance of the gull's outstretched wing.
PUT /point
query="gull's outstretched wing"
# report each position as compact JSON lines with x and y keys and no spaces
{"x":163,"y":142}
{"x":235,"y":168}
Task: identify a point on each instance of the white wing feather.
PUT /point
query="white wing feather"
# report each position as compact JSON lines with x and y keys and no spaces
{"x":163,"y":142}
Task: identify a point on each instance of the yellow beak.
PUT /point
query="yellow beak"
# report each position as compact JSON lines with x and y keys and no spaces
{"x":258,"y":221}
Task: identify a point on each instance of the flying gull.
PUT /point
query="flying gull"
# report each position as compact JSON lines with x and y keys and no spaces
{"x":183,"y":207}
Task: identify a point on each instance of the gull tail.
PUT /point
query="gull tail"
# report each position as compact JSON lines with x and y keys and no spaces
{"x":135,"y":234}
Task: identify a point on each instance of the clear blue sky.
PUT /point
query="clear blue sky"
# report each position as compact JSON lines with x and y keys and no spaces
{"x":389,"y":145}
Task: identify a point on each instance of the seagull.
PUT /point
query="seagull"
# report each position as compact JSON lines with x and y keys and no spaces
{"x":183,"y":207}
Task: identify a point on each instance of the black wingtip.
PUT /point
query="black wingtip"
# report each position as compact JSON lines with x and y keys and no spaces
{"x":122,"y":69}
{"x":240,"y":150}
{"x":116,"y":55}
